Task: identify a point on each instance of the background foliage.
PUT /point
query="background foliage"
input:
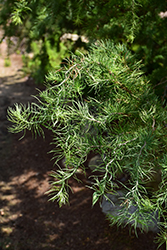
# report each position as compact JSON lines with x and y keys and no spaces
{"x":41,"y":25}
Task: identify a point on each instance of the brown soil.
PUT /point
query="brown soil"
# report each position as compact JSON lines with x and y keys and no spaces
{"x":28,"y":220}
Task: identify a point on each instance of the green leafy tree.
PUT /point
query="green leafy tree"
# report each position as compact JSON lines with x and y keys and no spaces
{"x":42,"y":23}
{"x":102,"y":103}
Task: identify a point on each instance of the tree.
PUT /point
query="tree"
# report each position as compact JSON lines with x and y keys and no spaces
{"x":103,"y":103}
{"x":138,"y":24}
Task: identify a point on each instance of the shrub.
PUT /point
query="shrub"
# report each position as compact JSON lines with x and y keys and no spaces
{"x":102,"y":103}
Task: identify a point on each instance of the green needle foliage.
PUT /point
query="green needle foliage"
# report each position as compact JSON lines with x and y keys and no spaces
{"x":101,"y":102}
{"x":40,"y":25}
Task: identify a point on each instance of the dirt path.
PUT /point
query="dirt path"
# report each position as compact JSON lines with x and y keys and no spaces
{"x":28,"y":221}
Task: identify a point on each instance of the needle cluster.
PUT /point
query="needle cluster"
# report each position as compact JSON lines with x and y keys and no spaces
{"x":101,"y":102}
